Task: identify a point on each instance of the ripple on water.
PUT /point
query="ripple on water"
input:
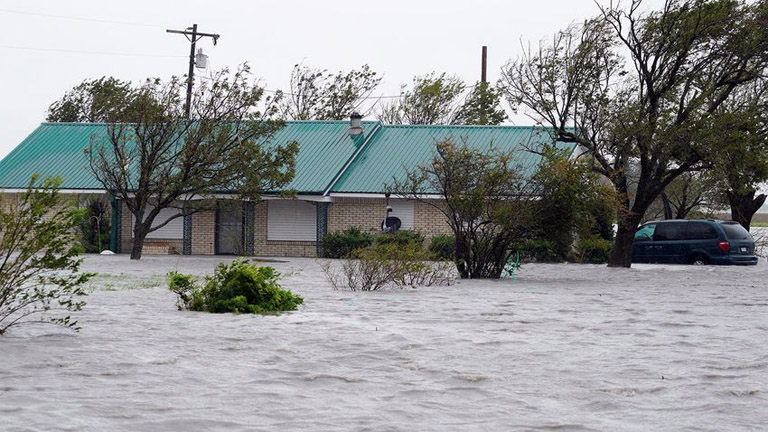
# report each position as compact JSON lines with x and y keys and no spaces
{"x":586,"y":352}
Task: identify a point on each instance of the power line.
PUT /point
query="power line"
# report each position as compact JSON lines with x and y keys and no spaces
{"x":78,"y":18}
{"x":89,"y":52}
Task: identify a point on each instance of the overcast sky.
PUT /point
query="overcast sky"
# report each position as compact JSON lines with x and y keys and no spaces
{"x":48,"y":47}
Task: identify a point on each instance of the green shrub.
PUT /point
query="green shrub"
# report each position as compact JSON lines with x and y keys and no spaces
{"x":401,"y":238}
{"x":39,"y":257}
{"x":237,"y":287}
{"x":594,"y":250}
{"x":442,"y":246}
{"x":538,"y":250}
{"x":340,"y":244}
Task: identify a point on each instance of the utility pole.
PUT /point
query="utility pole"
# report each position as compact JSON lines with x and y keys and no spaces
{"x":484,"y":66}
{"x":193,"y":36}
{"x":483,"y":84}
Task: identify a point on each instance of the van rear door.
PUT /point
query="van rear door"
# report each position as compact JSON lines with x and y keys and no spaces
{"x":741,"y":241}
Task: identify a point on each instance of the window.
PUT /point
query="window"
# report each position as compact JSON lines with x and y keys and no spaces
{"x":734,"y":231}
{"x":173,"y":231}
{"x":645,"y":232}
{"x":291,"y":220}
{"x":669,"y":231}
{"x":700,"y":231}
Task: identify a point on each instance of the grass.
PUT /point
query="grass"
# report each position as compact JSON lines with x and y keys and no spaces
{"x":761,"y":224}
{"x":124,"y":282}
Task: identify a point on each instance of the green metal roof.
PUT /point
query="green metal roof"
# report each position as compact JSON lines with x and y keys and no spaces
{"x":53,"y":149}
{"x":395,"y":148}
{"x":363,"y":164}
{"x":58,"y":149}
{"x":324,"y":149}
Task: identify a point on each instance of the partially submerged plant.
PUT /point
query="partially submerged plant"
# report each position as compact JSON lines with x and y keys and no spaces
{"x":237,"y":287}
{"x":389,"y":265}
{"x":39,"y":258}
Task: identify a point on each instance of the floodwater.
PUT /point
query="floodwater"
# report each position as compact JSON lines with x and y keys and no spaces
{"x":560,"y":348}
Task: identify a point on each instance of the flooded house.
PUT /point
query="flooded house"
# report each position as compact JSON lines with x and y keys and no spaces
{"x":341,"y":172}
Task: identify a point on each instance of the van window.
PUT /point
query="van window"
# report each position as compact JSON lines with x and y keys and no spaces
{"x":645,"y":232}
{"x":734,"y":231}
{"x":669,"y":231}
{"x":700,"y":231}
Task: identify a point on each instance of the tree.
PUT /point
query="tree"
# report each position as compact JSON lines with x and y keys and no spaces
{"x":484,"y":198}
{"x":481,"y":107}
{"x":433,"y":99}
{"x":102,"y":100}
{"x":688,"y":194}
{"x":739,"y":163}
{"x":572,"y":202}
{"x":686,"y":59}
{"x":39,"y":258}
{"x":164,"y":160}
{"x":317,"y":95}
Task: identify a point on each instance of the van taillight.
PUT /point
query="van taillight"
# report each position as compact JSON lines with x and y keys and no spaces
{"x":724,"y":246}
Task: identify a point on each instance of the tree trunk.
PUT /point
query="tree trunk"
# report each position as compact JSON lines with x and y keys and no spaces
{"x":744,"y":207}
{"x":138,"y":245}
{"x":139,"y":235}
{"x":621,"y":255}
{"x":667,"y":206}
{"x":460,"y":252}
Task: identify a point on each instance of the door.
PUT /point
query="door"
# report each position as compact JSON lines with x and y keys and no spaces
{"x":229,"y":229}
{"x":668,"y":241}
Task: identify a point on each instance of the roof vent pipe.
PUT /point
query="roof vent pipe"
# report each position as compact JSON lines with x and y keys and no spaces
{"x":355,"y":127}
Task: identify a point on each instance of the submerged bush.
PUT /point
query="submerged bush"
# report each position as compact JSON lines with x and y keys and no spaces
{"x":389,"y":265}
{"x":442,"y":246}
{"x":538,"y":250}
{"x":237,"y":287}
{"x":341,"y":244}
{"x":594,"y":250}
{"x":402,"y":238}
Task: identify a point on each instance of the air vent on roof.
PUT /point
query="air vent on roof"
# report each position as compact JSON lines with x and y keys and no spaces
{"x":355,"y":127}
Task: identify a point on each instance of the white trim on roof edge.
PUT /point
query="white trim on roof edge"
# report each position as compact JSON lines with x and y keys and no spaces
{"x":379,"y":195}
{"x":298,"y":197}
{"x":61,"y":191}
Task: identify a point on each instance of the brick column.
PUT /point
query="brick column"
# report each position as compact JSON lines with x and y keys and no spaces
{"x":249,"y":216}
{"x":322,"y":226}
{"x":187,"y":230}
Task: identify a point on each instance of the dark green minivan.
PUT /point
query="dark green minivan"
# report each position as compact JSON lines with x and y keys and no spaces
{"x":693,"y":242}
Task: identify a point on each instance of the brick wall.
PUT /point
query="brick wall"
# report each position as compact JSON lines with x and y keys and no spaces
{"x":362,"y":213}
{"x":203,"y":232}
{"x":430,"y":221}
{"x":126,"y":228}
{"x":10,"y":201}
{"x":6,"y":199}
{"x":367,"y":215}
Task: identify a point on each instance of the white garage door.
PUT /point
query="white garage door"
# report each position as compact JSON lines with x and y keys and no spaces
{"x":173,"y":231}
{"x":291,"y":220}
{"x":403,"y":209}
